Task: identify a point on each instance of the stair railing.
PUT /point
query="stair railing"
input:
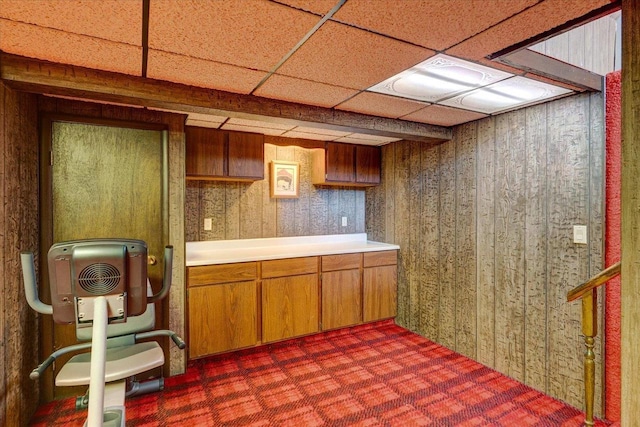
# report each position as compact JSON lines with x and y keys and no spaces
{"x":589,"y":295}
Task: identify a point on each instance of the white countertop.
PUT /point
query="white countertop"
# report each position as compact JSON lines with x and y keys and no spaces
{"x":228,"y":251}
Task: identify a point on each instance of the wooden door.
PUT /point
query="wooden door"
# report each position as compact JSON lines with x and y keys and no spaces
{"x":103,"y":181}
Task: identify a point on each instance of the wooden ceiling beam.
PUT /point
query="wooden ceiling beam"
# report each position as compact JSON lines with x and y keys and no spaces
{"x":38,"y":76}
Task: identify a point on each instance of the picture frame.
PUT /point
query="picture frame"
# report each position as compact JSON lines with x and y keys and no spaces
{"x":284,"y":179}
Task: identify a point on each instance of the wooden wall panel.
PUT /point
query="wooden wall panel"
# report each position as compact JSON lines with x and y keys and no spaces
{"x":429,"y":233}
{"x":491,"y":237}
{"x":485,"y":217}
{"x":536,"y":247}
{"x":19,"y":330}
{"x":630,"y":275}
{"x":596,"y":208}
{"x":568,"y":263}
{"x":465,"y":238}
{"x":402,"y":227}
{"x":246,"y":210}
{"x":415,"y":214}
{"x":447,"y":245}
{"x":591,"y":46}
{"x":509,"y":229}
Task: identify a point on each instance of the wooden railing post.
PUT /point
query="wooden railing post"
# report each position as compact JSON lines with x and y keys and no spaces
{"x":590,"y":330}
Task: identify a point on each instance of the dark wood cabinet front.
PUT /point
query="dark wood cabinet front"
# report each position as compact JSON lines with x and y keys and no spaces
{"x":204,"y":152}
{"x":367,"y":164}
{"x":218,"y":155}
{"x":340,"y":162}
{"x":246,"y":155}
{"x":346,"y":165}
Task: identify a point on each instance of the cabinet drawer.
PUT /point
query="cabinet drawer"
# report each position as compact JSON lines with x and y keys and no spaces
{"x":289,"y":267}
{"x":374,"y":259}
{"x":221,"y":273}
{"x":341,"y":262}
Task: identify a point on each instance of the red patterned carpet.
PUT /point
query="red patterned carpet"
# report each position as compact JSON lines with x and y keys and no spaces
{"x":372,"y":375}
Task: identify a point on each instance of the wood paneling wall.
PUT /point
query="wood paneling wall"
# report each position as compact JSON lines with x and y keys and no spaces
{"x":485,"y":227}
{"x":591,"y":46}
{"x":245,"y":210}
{"x":19,"y":232}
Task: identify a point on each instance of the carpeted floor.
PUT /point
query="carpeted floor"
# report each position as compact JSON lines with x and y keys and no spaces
{"x":372,"y":375}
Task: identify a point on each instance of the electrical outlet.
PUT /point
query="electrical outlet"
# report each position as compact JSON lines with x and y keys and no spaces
{"x":580,"y":234}
{"x":344,"y":221}
{"x":207,"y":224}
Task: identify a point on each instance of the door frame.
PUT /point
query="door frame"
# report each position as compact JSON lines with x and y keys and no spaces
{"x":46,"y":324}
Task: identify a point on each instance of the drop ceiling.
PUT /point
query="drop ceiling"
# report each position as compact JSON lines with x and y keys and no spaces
{"x":325,"y":54}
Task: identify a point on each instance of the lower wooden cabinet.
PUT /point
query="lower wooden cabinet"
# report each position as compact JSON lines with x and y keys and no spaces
{"x":222,"y":317}
{"x":233,"y":306}
{"x":341,"y":290}
{"x":380,"y":283}
{"x":289,"y":307}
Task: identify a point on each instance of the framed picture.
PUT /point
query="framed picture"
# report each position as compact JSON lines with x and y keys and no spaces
{"x":285,"y":179}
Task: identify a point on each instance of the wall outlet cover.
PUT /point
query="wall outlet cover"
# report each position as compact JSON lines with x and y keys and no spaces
{"x":580,"y":234}
{"x":207,"y":224}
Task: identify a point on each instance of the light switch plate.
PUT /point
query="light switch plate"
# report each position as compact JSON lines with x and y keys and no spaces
{"x":207,"y":224}
{"x":580,"y":234}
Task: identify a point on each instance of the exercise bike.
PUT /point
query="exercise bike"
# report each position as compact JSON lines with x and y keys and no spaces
{"x":101,"y":285}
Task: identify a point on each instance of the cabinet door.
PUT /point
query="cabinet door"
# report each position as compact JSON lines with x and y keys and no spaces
{"x":340,"y":165}
{"x":367,"y":164}
{"x":222,"y":317}
{"x":341,"y":299}
{"x":289,"y":307}
{"x":246,"y":155}
{"x":380,"y":292}
{"x":204,"y":152}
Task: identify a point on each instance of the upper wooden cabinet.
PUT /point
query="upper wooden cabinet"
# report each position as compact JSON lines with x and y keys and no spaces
{"x":346,"y":164}
{"x":219,"y":155}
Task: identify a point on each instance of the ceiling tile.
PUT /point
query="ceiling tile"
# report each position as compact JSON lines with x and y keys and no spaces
{"x":380,"y":105}
{"x":248,"y":33}
{"x":303,"y":91}
{"x":531,"y":22}
{"x":198,"y":72}
{"x":203,"y":123}
{"x":68,"y":48}
{"x":321,"y":7}
{"x":306,"y":135}
{"x":435,"y":24}
{"x":115,"y":20}
{"x":358,"y":138}
{"x":321,"y":131}
{"x":253,"y":129}
{"x":345,"y":56}
{"x":206,"y":117}
{"x":260,"y":124}
{"x":443,"y":116}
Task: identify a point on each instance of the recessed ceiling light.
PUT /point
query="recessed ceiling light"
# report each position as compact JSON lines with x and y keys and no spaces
{"x":505,"y":95}
{"x":439,"y":77}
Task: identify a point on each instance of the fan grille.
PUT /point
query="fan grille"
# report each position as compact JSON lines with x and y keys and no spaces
{"x":99,"y":278}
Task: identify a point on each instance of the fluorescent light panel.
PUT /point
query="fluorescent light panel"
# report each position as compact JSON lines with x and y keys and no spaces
{"x":439,"y":77}
{"x":505,"y":95}
{"x":445,"y":80}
